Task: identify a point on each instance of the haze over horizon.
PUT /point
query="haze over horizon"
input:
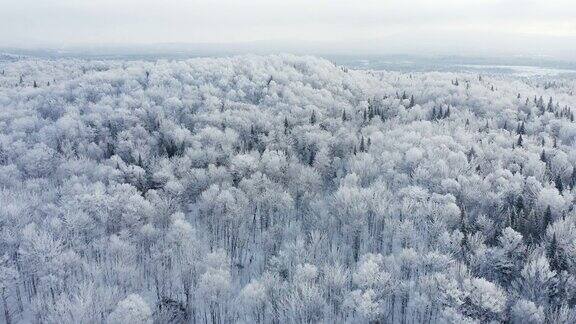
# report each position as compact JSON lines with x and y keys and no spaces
{"x":446,"y":27}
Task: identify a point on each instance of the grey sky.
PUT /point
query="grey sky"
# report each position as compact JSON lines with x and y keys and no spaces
{"x":443,"y":26}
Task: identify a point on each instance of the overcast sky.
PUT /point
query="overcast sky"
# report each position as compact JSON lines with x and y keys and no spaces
{"x":442,"y":26}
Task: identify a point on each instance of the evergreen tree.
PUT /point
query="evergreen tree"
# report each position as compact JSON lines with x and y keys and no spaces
{"x":547,"y":218}
{"x":519,"y":205}
{"x":556,"y":256}
{"x":519,"y":142}
{"x":370,"y":113}
{"x":286,"y":125}
{"x":558,"y":184}
{"x":471,"y":153}
{"x":550,"y":105}
{"x":540,"y":103}
{"x":311,"y":158}
{"x":543,"y":157}
{"x":465,"y":247}
{"x":521,"y":129}
{"x":313,"y":117}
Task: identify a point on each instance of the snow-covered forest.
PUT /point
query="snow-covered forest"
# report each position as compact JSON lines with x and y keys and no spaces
{"x":283,"y":189}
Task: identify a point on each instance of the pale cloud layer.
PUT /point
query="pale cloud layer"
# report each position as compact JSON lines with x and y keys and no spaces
{"x":445,"y":25}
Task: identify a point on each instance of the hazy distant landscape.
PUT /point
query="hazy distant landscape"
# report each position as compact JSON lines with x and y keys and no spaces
{"x":521,"y":66}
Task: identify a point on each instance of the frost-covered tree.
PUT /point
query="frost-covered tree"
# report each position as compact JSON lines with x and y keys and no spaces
{"x":276,"y":189}
{"x":132,"y":309}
